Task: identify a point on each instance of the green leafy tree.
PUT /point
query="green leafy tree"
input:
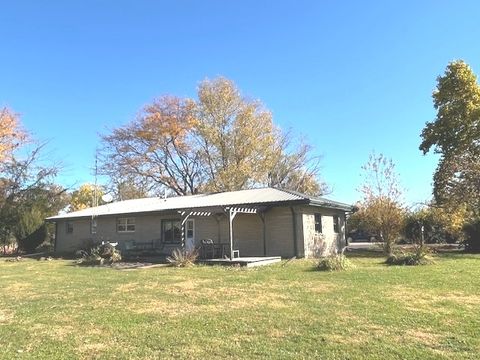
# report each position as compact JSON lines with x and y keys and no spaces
{"x":455,"y":134}
{"x":27,"y":192}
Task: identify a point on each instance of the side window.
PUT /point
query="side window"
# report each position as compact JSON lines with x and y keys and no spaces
{"x":318,"y":223}
{"x":336,"y":224}
{"x":69,"y":227}
{"x":125,"y":225}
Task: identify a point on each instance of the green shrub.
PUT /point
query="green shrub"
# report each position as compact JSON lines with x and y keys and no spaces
{"x":99,"y":255}
{"x":182,"y":258}
{"x":420,"y":256}
{"x":33,"y":239}
{"x":472,"y":236}
{"x":336,"y":262}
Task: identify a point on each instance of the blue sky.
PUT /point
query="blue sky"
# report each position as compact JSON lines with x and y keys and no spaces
{"x":352,"y":76}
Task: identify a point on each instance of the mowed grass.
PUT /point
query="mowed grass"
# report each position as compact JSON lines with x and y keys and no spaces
{"x":58,"y":310}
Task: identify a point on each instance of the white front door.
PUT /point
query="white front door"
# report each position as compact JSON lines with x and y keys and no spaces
{"x":190,"y":235}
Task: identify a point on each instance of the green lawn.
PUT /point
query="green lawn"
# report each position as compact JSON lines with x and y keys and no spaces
{"x":53,"y":309}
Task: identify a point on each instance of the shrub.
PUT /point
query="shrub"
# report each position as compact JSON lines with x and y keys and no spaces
{"x":336,"y":262}
{"x":417,"y":257}
{"x":182,"y":258}
{"x":472,"y":236}
{"x":34,"y":239}
{"x":99,"y":255}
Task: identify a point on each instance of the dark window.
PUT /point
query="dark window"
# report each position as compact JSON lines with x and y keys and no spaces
{"x":172,"y":231}
{"x":336,"y":224}
{"x":318,"y":223}
{"x":69,"y":227}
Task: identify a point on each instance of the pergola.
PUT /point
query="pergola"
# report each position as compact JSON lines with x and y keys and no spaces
{"x":231,"y":212}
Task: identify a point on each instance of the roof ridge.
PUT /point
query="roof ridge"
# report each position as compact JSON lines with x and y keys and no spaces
{"x":293,"y":192}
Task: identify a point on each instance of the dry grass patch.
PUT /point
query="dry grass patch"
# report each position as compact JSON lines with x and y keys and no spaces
{"x":424,"y":300}
{"x":6,"y":316}
{"x":425,"y":337}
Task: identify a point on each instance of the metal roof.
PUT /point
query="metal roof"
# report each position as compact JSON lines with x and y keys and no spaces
{"x":263,"y":196}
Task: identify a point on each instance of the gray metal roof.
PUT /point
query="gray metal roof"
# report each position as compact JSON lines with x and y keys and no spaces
{"x":263,"y":196}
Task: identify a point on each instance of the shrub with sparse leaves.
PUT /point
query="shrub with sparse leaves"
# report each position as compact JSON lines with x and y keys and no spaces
{"x":182,"y":258}
{"x":337,"y":262}
{"x":99,"y":255}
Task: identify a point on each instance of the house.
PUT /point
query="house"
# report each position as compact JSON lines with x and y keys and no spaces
{"x":256,"y":222}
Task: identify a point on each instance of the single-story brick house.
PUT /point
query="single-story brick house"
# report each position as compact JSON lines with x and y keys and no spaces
{"x":256,"y":222}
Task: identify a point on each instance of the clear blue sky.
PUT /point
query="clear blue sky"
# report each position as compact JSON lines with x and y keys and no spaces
{"x":353,"y":76}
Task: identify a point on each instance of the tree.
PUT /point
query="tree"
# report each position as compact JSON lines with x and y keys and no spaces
{"x":129,"y":187}
{"x":455,"y":134}
{"x":294,"y":168}
{"x":222,"y":141}
{"x":236,"y":136}
{"x":27,"y":192}
{"x":381,"y":209}
{"x":87,"y":195}
{"x":439,"y":225}
{"x":157,"y":148}
{"x":27,"y":195}
{"x":11,"y":134}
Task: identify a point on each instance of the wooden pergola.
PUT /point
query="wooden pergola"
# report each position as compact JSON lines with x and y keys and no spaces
{"x":231,"y":212}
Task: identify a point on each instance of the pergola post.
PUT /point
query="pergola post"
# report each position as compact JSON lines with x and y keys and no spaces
{"x":185,"y":214}
{"x":231,"y":216}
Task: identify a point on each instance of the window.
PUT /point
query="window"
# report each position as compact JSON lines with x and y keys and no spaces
{"x":69,"y":227}
{"x":190,"y":228}
{"x":336,"y":224}
{"x":172,"y":231}
{"x":126,"y":225}
{"x":93,"y":226}
{"x":318,"y":223}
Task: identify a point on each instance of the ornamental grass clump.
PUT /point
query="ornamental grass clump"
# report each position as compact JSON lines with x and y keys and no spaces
{"x":182,"y":258}
{"x":336,"y":262}
{"x":420,"y":256}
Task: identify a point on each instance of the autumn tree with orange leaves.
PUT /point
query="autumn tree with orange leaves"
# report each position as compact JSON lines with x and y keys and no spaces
{"x":11,"y":134}
{"x":222,"y":141}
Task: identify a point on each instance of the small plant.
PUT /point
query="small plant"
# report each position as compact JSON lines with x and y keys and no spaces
{"x":99,"y":255}
{"x":337,"y":262}
{"x":420,"y":256}
{"x":182,"y":258}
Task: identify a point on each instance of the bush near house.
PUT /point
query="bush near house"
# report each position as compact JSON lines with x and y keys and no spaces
{"x":99,"y":255}
{"x":336,"y":262}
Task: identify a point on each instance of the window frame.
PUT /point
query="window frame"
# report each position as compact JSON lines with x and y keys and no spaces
{"x":317,"y":220}
{"x":172,"y":222}
{"x":125,"y":224}
{"x":68,"y":227}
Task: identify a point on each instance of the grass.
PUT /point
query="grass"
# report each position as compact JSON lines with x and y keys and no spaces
{"x":53,"y":309}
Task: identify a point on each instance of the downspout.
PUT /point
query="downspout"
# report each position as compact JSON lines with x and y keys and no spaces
{"x":294,"y":222}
